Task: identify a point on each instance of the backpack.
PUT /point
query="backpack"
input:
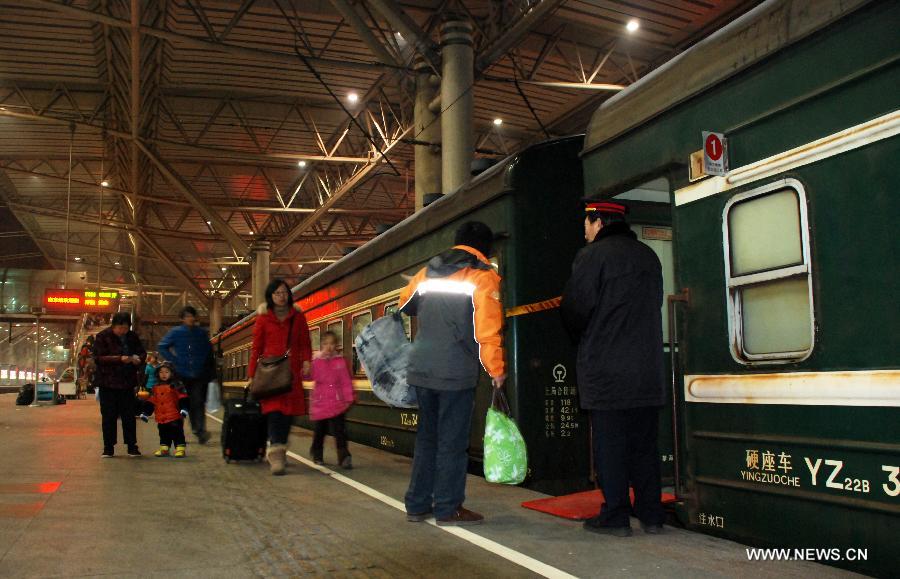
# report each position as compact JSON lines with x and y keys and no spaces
{"x":26,"y":395}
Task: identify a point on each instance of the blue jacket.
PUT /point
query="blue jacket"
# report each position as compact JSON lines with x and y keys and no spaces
{"x":188,"y":349}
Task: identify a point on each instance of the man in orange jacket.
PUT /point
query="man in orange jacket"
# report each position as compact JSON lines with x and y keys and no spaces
{"x":460,"y":323}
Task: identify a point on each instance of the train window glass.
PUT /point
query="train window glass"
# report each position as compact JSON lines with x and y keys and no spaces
{"x":337,"y":327}
{"x":393,"y":308}
{"x":765,"y":233}
{"x":776,"y":317}
{"x":359,"y":322}
{"x":768,"y":274}
{"x":315,"y":338}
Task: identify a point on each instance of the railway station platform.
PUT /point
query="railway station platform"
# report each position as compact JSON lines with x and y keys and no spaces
{"x":65,"y":512}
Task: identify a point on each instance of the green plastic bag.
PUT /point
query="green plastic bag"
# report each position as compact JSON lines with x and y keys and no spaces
{"x":505,"y":455}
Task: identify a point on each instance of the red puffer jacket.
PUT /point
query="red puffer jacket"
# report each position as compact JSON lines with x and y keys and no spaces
{"x":270,"y":338}
{"x":166,"y":401}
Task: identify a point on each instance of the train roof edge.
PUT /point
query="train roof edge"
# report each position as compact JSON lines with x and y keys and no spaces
{"x":443,"y":210}
{"x":726,"y":52}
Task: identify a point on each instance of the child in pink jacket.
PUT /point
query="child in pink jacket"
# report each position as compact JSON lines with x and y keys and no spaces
{"x":332,"y":395}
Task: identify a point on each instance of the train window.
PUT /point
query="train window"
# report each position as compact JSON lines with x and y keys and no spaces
{"x":360,"y":321}
{"x":768,"y":274}
{"x":315,"y":339}
{"x":337,"y":327}
{"x":393,"y":308}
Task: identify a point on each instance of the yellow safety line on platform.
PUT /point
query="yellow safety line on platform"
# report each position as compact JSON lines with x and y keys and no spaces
{"x":494,"y":547}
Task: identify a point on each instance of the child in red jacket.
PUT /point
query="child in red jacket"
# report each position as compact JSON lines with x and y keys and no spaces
{"x":170,"y":403}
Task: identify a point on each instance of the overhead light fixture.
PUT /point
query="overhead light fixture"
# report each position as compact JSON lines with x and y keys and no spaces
{"x":224,"y":268}
{"x":498,"y":121}
{"x":352,"y":97}
{"x":301,"y":163}
{"x":209,"y":222}
{"x":77,"y":259}
{"x":116,"y":263}
{"x":632,"y":25}
{"x":104,"y":183}
{"x":251,"y":232}
{"x":299,"y":266}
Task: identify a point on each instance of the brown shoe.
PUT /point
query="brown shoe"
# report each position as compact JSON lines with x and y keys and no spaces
{"x":462,"y":517}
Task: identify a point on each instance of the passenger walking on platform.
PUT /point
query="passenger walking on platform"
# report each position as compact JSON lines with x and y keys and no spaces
{"x":187,"y":347}
{"x":150,"y":370}
{"x":119,"y":356}
{"x":612,"y":306}
{"x":170,"y":402}
{"x":460,"y":322}
{"x":332,"y":395}
{"x":281,"y":325}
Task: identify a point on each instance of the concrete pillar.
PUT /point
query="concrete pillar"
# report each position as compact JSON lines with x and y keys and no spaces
{"x":261,"y":250}
{"x":215,"y":315}
{"x":428,"y":129}
{"x":457,"y":138}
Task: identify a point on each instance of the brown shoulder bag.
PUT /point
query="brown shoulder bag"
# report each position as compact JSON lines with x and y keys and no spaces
{"x":273,"y":373}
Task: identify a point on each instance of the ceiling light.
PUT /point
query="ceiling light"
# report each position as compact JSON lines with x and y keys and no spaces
{"x":498,"y":122}
{"x":77,"y":259}
{"x":116,"y":263}
{"x":302,"y":163}
{"x":299,"y":266}
{"x":352,"y":97}
{"x":209,"y":222}
{"x":632,"y":25}
{"x":104,"y":183}
{"x":224,"y":268}
{"x":251,"y":232}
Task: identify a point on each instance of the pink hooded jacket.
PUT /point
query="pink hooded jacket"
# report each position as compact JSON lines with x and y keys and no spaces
{"x":333,"y":391}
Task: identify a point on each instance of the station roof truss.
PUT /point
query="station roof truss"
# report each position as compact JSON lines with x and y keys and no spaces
{"x":198,"y":114}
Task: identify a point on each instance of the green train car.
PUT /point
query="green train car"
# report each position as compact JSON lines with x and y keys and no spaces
{"x":532,"y":200}
{"x":786,"y":268}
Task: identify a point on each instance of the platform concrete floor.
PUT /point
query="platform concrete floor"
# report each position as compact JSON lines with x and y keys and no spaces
{"x":198,"y":517}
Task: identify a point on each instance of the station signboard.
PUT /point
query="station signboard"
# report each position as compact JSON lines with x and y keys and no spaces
{"x":81,"y":301}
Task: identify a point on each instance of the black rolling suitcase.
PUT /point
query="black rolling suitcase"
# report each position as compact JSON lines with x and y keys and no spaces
{"x":244,"y":430}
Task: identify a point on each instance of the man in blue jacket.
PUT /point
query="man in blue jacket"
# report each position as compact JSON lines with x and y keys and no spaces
{"x":187,"y":347}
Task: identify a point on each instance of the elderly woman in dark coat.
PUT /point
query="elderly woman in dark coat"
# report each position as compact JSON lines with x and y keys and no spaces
{"x":120,"y":357}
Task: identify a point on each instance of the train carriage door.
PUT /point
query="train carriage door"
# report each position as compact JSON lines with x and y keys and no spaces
{"x":650,"y":217}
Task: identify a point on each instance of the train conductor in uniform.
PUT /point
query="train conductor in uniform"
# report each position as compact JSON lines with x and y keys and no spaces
{"x":612,"y":306}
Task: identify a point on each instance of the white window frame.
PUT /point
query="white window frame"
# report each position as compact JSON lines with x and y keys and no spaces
{"x":340,"y":347}
{"x":734,"y":284}
{"x":318,"y":331}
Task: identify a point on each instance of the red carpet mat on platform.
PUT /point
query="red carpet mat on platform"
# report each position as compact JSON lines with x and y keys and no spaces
{"x":578,"y":506}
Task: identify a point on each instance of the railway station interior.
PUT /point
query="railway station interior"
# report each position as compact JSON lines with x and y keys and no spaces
{"x":651,"y":244}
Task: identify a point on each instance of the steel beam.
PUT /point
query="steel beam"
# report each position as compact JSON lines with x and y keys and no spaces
{"x":356,"y":21}
{"x":498,"y":47}
{"x":410,"y":30}
{"x":347,"y":186}
{"x":199,"y":43}
{"x":220,"y":225}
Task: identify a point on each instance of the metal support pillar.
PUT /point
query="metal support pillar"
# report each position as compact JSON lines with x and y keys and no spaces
{"x":457,"y":139}
{"x":427,"y":129}
{"x":261,"y":250}
{"x":37,"y":357}
{"x":215,"y":315}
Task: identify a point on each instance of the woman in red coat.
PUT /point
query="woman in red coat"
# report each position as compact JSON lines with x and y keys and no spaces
{"x":274,"y":320}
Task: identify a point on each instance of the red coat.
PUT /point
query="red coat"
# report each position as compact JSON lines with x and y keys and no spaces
{"x":269,"y":339}
{"x":166,"y":400}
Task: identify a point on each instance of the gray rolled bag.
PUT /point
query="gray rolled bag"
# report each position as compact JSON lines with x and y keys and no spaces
{"x":384,"y":350}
